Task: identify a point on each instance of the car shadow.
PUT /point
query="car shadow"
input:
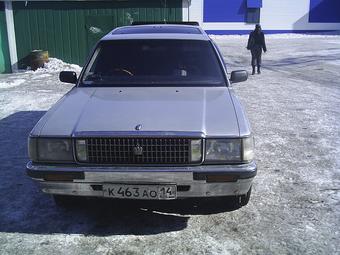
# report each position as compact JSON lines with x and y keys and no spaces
{"x":25,"y":209}
{"x":303,"y":60}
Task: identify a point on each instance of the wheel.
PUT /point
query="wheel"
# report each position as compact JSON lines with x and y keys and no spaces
{"x":244,"y":199}
{"x":64,"y":201}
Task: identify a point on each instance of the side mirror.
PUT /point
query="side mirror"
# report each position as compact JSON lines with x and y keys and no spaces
{"x":68,"y":77}
{"x":238,"y":76}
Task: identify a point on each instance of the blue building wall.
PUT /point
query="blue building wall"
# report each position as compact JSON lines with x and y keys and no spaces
{"x":228,"y":10}
{"x":224,"y":11}
{"x":288,"y":16}
{"x":324,"y":11}
{"x":320,"y":11}
{"x":254,"y":3}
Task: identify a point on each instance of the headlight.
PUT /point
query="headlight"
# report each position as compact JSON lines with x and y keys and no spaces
{"x":229,"y":150}
{"x":50,"y":149}
{"x":223,"y":150}
{"x":196,"y":150}
{"x":81,"y":150}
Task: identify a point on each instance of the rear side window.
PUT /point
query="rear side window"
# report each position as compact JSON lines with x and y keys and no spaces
{"x":154,"y":63}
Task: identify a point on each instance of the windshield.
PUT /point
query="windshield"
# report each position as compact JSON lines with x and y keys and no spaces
{"x":154,"y":63}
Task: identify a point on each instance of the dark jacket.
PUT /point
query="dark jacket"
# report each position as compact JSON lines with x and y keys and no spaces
{"x":256,"y":40}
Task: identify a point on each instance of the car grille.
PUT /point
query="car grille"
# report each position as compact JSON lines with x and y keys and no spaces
{"x":138,"y":150}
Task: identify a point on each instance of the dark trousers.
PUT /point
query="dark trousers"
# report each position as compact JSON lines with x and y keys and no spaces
{"x":256,"y":54}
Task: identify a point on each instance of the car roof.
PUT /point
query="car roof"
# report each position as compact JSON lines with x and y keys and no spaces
{"x":157,"y":31}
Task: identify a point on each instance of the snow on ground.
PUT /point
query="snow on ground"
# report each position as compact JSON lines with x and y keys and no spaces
{"x":332,"y":34}
{"x":294,"y":108}
{"x":11,"y":83}
{"x":44,"y":81}
{"x":51,"y":68}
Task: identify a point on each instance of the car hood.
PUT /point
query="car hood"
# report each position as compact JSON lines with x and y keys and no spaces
{"x":208,"y":110}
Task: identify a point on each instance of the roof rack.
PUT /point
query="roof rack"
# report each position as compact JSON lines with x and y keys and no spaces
{"x":191,"y":23}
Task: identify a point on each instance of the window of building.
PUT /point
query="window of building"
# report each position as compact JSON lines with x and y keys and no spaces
{"x":253,"y":15}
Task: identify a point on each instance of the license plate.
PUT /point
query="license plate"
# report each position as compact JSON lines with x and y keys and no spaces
{"x":128,"y":191}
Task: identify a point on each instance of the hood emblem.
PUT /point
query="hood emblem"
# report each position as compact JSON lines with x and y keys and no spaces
{"x":138,"y":150}
{"x":138,"y":127}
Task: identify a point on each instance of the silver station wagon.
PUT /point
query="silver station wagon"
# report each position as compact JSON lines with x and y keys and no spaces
{"x":151,"y":116}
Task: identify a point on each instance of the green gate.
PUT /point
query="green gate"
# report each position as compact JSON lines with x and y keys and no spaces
{"x":68,"y":30}
{"x":5,"y":66}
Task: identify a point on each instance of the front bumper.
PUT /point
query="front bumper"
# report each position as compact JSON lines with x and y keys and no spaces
{"x":191,"y":181}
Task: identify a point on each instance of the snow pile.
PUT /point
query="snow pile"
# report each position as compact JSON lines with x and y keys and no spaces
{"x":55,"y":65}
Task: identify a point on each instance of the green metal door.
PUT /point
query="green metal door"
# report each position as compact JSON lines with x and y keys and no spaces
{"x":68,"y":30}
{"x":4,"y":52}
{"x":97,"y":27}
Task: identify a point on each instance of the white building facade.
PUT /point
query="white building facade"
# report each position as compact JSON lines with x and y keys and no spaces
{"x":275,"y":16}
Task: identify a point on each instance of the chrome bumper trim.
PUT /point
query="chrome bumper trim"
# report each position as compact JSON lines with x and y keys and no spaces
{"x":147,"y":175}
{"x":197,"y":189}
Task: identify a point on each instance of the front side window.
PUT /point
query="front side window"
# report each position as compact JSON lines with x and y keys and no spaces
{"x":154,"y":63}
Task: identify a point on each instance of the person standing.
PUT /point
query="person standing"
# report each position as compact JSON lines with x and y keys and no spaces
{"x":256,"y":43}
